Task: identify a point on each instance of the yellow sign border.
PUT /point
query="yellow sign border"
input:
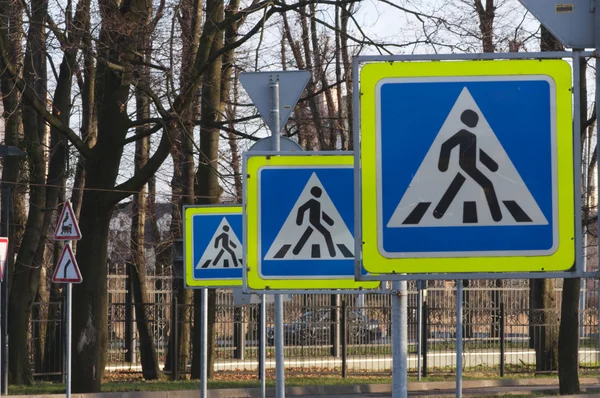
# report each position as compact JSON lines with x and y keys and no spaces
{"x":558,"y":70}
{"x":188,"y":258}
{"x":254,"y":164}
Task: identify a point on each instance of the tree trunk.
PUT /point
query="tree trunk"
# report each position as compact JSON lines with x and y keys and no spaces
{"x":545,"y":334}
{"x":149,"y":358}
{"x":208,"y":188}
{"x":90,"y":312}
{"x":545,"y":340}
{"x":345,"y":13}
{"x":11,"y":25}
{"x":38,"y":330}
{"x":88,"y":116}
{"x":568,"y":340}
{"x":53,"y":352}
{"x":25,"y":280}
{"x":182,"y":153}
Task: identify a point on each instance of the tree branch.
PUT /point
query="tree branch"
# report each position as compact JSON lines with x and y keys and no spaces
{"x":54,"y":121}
{"x":160,"y":124}
{"x":142,"y":175}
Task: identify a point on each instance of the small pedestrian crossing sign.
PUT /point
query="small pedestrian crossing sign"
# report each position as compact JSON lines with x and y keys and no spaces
{"x":300,"y":222}
{"x":465,"y":165}
{"x":224,"y":249}
{"x":314,"y":229}
{"x":213,"y":246}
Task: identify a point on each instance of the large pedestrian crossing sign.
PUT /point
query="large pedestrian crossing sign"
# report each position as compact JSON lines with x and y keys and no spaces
{"x":467,"y":166}
{"x":300,"y":222}
{"x":213,"y":252}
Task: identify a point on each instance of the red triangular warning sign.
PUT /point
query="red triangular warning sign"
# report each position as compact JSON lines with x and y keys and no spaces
{"x":3,"y":256}
{"x":67,"y":227}
{"x":67,"y":270}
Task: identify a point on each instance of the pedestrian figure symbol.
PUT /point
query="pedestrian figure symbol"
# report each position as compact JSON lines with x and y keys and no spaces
{"x":226,"y":246}
{"x":315,"y":214}
{"x":223,"y":250}
{"x":467,"y":160}
{"x":313,"y":229}
{"x":480,"y":187}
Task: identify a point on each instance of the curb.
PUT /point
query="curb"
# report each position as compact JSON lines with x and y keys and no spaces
{"x":439,"y":386}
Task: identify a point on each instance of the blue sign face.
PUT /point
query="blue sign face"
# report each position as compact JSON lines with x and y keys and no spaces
{"x":467,"y":165}
{"x":217,"y":251}
{"x":306,"y":222}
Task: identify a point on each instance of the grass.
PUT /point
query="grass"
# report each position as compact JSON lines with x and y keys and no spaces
{"x":122,"y":382}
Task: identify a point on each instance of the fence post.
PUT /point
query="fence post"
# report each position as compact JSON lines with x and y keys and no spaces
{"x":174,"y":336}
{"x":344,"y":336}
{"x":129,"y":343}
{"x":334,"y":328}
{"x":424,"y":336}
{"x":502,"y":348}
{"x":259,"y":329}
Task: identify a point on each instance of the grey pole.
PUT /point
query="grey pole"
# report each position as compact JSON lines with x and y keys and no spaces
{"x":275,"y":114}
{"x":279,"y":346}
{"x":583,"y":171}
{"x":204,"y":343}
{"x":4,"y":292}
{"x":69,"y":337}
{"x":597,"y":129}
{"x":459,"y":332}
{"x":419,"y":326}
{"x":263,"y":345}
{"x":399,"y":340}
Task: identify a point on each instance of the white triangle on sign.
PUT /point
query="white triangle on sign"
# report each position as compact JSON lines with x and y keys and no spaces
{"x":313,"y":230}
{"x":67,"y":227}
{"x":224,"y":250}
{"x":67,"y":270}
{"x":486,"y":190}
{"x":3,"y":256}
{"x":291,"y":86}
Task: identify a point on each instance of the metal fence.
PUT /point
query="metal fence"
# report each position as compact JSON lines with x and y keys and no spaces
{"x":345,"y":334}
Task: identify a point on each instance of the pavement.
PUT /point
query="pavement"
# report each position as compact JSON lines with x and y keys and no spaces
{"x":383,"y":363}
{"x":471,"y":388}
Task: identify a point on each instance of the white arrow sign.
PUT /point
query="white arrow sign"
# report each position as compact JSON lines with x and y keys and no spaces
{"x":67,"y":270}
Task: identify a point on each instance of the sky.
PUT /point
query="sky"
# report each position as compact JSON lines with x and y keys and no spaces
{"x":453,"y":27}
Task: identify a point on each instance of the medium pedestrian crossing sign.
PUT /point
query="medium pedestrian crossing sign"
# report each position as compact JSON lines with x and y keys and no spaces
{"x":300,"y":222}
{"x":213,"y":252}
{"x":467,"y":166}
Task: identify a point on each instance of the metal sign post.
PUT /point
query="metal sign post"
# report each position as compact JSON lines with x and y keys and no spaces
{"x":419,"y":326}
{"x":279,"y":344}
{"x":263,"y":345}
{"x":67,"y":271}
{"x":212,"y":254}
{"x":203,"y":343}
{"x":459,"y":334}
{"x":69,"y":337}
{"x":264,"y":90}
{"x":399,"y":340}
{"x":3,"y":262}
